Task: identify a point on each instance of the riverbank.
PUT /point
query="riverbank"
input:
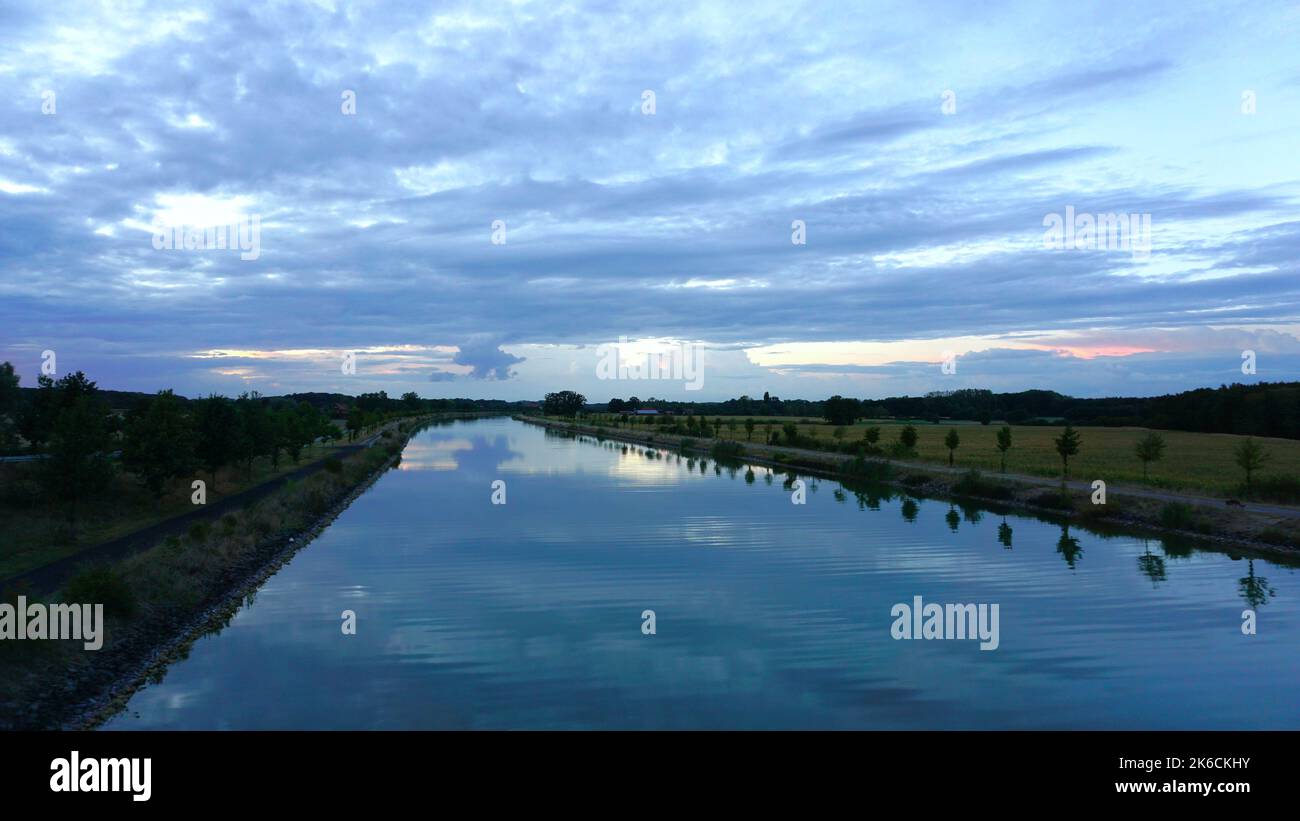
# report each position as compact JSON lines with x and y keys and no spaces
{"x":1263,"y":529}
{"x":159,"y":601}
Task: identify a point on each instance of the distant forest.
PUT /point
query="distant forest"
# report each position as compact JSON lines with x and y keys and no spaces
{"x":1260,"y":409}
{"x":74,"y":411}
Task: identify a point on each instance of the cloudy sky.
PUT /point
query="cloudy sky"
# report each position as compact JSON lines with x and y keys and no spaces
{"x":474,"y":198}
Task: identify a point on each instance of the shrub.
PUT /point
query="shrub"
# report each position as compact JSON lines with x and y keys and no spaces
{"x":726,"y":450}
{"x":333,"y":465}
{"x":870,"y":469}
{"x":1177,"y":516}
{"x":1274,"y":535}
{"x":1054,"y":499}
{"x":102,"y":584}
{"x":1283,"y":489}
{"x":199,"y":531}
{"x":972,"y":483}
{"x":898,"y":450}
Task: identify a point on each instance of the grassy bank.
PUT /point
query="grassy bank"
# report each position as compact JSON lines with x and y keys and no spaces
{"x":1183,"y":515}
{"x":1201,"y":462}
{"x":35,"y":530}
{"x":176,"y":589}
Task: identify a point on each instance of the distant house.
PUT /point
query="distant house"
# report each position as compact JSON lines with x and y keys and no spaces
{"x":646,"y":412}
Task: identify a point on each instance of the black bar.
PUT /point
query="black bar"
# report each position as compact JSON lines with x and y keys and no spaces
{"x":207,"y":771}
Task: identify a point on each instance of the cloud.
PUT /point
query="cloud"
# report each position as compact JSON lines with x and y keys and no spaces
{"x":376,"y":227}
{"x":487,"y":359}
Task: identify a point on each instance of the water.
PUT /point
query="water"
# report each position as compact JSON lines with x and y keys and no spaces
{"x":767,"y":614}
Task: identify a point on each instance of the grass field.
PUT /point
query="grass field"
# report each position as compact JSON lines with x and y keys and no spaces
{"x":1192,"y":461}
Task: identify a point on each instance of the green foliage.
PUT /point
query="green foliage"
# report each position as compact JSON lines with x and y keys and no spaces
{"x":1277,"y":536}
{"x":1282,"y":489}
{"x":217,"y":431}
{"x":199,"y":532}
{"x":1067,"y":445}
{"x":1182,"y":516}
{"x":1250,"y":457}
{"x":9,"y":405}
{"x":841,"y":411}
{"x":1004,"y":445}
{"x":727,"y":450}
{"x":907,"y":437}
{"x":78,"y":443}
{"x":563,"y":403}
{"x":869,"y":469}
{"x":101,"y":584}
{"x":1053,"y":499}
{"x":951,"y":441}
{"x":160,"y":441}
{"x":973,"y":483}
{"x":1149,"y":448}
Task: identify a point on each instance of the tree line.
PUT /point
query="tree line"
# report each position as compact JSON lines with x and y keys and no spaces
{"x":81,"y":442}
{"x":1260,"y":409}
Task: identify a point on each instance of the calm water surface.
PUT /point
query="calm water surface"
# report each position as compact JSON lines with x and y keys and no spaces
{"x":768,"y":614}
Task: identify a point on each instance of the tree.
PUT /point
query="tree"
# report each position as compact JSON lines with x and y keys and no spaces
{"x":731,"y":427}
{"x":9,"y":404}
{"x":355,"y":421}
{"x":160,"y":442}
{"x":791,"y":432}
{"x":838,"y":433}
{"x":38,"y":417}
{"x":907,"y":437}
{"x":871,"y":435}
{"x":951,"y":441}
{"x":749,"y":430}
{"x":257,"y":434}
{"x":841,"y":411}
{"x":217,"y":429}
{"x":1004,"y":445}
{"x":78,"y":463}
{"x":563,"y":403}
{"x":285,"y":423}
{"x":1067,"y":445}
{"x":410,"y":400}
{"x":616,"y":405}
{"x":1250,"y":457}
{"x":1149,"y":449}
